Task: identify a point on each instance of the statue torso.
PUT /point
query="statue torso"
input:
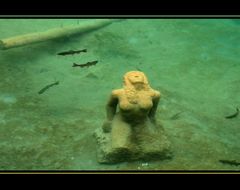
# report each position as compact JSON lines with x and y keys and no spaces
{"x":137,"y":106}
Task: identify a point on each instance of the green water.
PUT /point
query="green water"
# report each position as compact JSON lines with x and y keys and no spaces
{"x":194,"y":63}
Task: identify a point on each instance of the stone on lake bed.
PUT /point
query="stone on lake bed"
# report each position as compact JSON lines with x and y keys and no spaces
{"x":8,"y":98}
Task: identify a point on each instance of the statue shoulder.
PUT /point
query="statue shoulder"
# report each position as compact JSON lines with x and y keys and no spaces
{"x":117,"y":92}
{"x":156,"y":94}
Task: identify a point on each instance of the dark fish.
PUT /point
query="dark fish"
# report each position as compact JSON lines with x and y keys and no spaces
{"x":230,"y":162}
{"x":176,"y":116}
{"x":47,"y":87}
{"x":71,"y":52}
{"x":88,"y":64}
{"x":233,"y":115}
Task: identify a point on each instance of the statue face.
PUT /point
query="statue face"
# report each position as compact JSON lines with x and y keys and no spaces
{"x":136,"y":77}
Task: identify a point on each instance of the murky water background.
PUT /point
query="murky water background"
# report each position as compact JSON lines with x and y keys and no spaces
{"x":194,"y":63}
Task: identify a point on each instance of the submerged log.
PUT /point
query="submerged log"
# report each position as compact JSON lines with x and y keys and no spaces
{"x":67,"y":31}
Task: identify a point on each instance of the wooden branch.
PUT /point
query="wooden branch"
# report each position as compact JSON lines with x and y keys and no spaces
{"x":67,"y":31}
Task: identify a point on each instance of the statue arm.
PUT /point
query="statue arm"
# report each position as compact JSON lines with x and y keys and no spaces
{"x":155,"y":101}
{"x":111,"y":107}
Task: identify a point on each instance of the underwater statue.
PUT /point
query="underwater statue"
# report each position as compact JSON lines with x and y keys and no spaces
{"x":131,"y":131}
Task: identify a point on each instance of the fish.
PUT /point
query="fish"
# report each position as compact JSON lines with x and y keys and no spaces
{"x":233,"y":115}
{"x":47,"y":87}
{"x":230,"y":162}
{"x":176,"y":116}
{"x":88,"y":64}
{"x":71,"y":52}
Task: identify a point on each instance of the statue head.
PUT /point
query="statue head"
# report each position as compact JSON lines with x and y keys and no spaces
{"x":135,"y":77}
